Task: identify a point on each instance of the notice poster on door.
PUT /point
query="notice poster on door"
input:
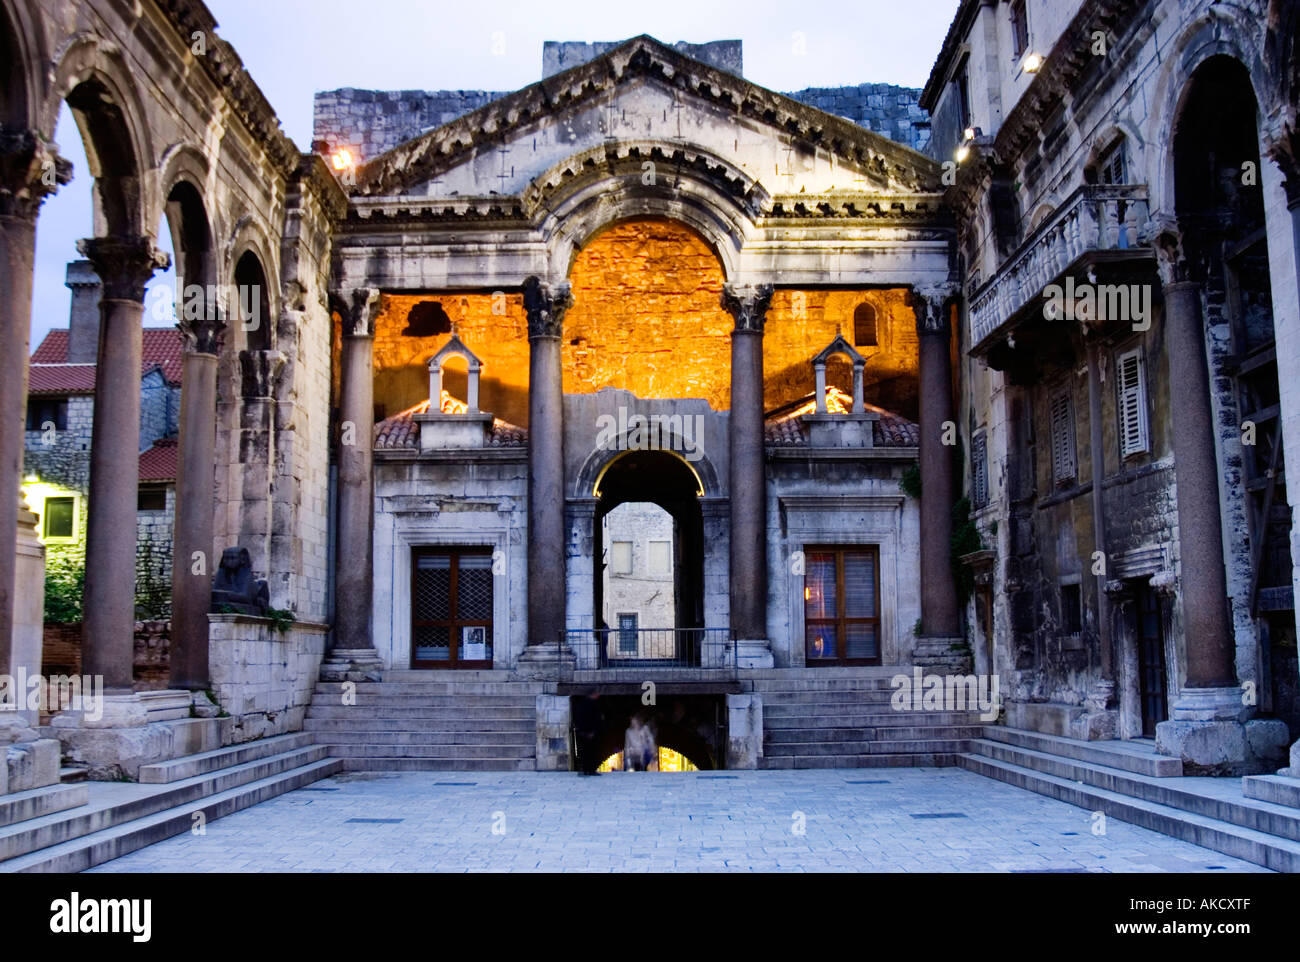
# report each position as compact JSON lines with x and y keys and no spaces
{"x":473,"y":644}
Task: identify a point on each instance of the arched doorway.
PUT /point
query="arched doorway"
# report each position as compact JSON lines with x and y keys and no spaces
{"x":1220,"y":210}
{"x":649,"y":572}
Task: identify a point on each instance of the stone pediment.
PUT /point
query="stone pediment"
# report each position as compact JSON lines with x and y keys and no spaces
{"x":643,"y":91}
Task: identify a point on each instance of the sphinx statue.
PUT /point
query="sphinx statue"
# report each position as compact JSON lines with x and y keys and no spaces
{"x":235,"y":589}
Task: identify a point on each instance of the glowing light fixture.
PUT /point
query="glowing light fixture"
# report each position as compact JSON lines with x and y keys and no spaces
{"x":962,"y":153}
{"x":970,"y":133}
{"x":342,"y":159}
{"x":1031,"y":63}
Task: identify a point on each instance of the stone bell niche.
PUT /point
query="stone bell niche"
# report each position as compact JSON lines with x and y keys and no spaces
{"x":443,"y":424}
{"x":840,"y":429}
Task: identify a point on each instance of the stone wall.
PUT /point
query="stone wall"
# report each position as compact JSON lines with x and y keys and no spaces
{"x":153,"y":558}
{"x":61,"y":652}
{"x":642,"y":591}
{"x":261,"y":677}
{"x":886,"y":109}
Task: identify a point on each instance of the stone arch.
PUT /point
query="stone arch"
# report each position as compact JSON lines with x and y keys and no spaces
{"x":252,"y":294}
{"x":1217,"y":33}
{"x":190,"y":220}
{"x":100,"y":89}
{"x":1101,"y":141}
{"x":600,"y":459}
{"x":20,"y":80}
{"x":247,"y":238}
{"x":588,"y":192}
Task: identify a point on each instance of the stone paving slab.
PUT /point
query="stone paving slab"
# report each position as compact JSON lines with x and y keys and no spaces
{"x":562,"y":822}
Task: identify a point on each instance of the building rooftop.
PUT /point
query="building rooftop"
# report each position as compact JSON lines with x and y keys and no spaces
{"x":163,"y":348}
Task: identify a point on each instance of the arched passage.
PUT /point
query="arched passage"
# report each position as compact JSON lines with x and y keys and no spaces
{"x":649,"y":577}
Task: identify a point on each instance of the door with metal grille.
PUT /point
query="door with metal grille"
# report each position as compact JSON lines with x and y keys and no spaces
{"x":1151,"y":660}
{"x":451,"y":608}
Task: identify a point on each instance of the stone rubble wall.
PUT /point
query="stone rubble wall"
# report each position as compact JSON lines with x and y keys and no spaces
{"x":61,"y":652}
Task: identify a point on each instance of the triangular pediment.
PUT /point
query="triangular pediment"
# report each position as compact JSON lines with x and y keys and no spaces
{"x":645,"y":91}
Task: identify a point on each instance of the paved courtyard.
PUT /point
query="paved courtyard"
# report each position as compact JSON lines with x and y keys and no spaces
{"x":873,"y":820}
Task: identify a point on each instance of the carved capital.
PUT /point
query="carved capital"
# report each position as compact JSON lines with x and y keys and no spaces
{"x":1281,"y":134}
{"x":747,"y":303}
{"x":124,"y":264}
{"x":930,"y":305}
{"x":546,"y":305}
{"x":202,"y":335}
{"x":363,"y":306}
{"x":1163,"y":234}
{"x":30,"y":171}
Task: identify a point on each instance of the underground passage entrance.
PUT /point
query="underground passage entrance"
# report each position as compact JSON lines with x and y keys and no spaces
{"x":648,"y":586}
{"x":688,"y":730}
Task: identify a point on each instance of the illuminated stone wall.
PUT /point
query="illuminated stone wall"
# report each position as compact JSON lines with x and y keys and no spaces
{"x":647,"y":317}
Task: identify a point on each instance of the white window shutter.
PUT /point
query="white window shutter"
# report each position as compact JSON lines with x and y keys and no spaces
{"x":1132,"y":404}
{"x":1063,"y":460}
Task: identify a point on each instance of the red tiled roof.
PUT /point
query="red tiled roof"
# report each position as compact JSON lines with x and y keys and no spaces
{"x":61,"y":379}
{"x":162,"y":347}
{"x":159,"y":462}
{"x":402,"y":431}
{"x":784,"y":426}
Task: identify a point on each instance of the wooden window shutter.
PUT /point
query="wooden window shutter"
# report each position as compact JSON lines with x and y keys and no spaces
{"x":1132,"y":404}
{"x":1063,"y":460}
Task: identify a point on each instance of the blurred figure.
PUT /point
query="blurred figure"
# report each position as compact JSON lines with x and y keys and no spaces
{"x":640,"y":754}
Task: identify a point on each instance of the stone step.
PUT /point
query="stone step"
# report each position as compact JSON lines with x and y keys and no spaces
{"x":36,"y":802}
{"x":388,"y":711}
{"x":123,"y":837}
{"x":70,"y":774}
{"x":401,"y":763}
{"x":391,"y":737}
{"x":380,"y":749}
{"x":1278,"y":789}
{"x":765,"y":676}
{"x":906,"y":760}
{"x":400,"y":699}
{"x":187,"y":766}
{"x":442,"y":723}
{"x":137,"y":802}
{"x":863,"y":719}
{"x":823,"y":696}
{"x":511,"y":688}
{"x":1139,"y":757}
{"x":1210,"y":797}
{"x":1279,"y":854}
{"x":776,"y":736}
{"x":919,"y":746}
{"x":453,"y":676}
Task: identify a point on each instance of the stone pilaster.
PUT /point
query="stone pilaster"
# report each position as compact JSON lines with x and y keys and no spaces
{"x":1103,"y":691}
{"x":546,"y":305}
{"x":353,"y":653}
{"x":192,"y":564}
{"x":29,"y":172}
{"x":748,"y":495}
{"x":124,"y":265}
{"x":938,"y":645}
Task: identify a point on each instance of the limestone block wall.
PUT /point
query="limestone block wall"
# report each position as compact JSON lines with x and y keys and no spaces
{"x":644,"y":591}
{"x":886,"y":109}
{"x":466,"y":499}
{"x":261,"y":677}
{"x":153,"y":558}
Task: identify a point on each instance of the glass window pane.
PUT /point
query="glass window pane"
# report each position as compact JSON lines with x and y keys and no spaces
{"x":819,"y":642}
{"x":860,"y":641}
{"x":432,"y":601}
{"x":431,"y":643}
{"x":474,"y":587}
{"x":859,"y":584}
{"x":819,"y":585}
{"x":59,"y":517}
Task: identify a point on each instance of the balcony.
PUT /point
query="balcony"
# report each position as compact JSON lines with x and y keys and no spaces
{"x":1098,"y":224}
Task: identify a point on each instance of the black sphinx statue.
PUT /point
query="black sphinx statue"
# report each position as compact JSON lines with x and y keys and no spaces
{"x":234,"y":589}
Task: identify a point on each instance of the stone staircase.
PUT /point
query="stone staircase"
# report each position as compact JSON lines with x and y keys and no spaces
{"x":1256,"y":819}
{"x":429,"y":721}
{"x":842,"y":718}
{"x":72,"y":827}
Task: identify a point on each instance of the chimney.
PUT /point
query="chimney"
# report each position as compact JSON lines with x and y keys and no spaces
{"x":83,"y":319}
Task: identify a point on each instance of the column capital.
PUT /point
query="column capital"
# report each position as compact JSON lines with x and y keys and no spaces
{"x":546,"y":305}
{"x":30,"y":171}
{"x":363,"y":306}
{"x":202,"y":335}
{"x":747,"y":303}
{"x":930,"y":304}
{"x":1164,"y":234}
{"x":124,"y":264}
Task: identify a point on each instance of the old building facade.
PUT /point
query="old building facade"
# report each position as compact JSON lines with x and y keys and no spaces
{"x":1016,"y":405}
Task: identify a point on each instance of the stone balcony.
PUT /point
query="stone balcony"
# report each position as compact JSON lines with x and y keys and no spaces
{"x":1098,"y":224}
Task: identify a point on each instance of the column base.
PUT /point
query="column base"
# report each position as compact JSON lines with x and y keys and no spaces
{"x":352,"y":664}
{"x":750,"y":653}
{"x":1209,"y":704}
{"x":544,"y":662}
{"x":942,"y":654}
{"x":1223,"y":745}
{"x":130,"y":710}
{"x":1294,"y":769}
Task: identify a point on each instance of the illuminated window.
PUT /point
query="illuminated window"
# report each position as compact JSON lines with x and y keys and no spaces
{"x":841,"y":606}
{"x":59,"y":517}
{"x":864,"y":326}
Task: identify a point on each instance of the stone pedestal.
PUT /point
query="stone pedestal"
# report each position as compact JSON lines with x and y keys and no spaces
{"x":542,"y":662}
{"x":1210,"y":730}
{"x":744,"y":731}
{"x":264,"y":678}
{"x":553,"y":722}
{"x":29,"y":606}
{"x":749,"y":653}
{"x":352,"y":664}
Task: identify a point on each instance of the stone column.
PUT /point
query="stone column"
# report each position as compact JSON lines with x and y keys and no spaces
{"x":1206,"y":719}
{"x":940,"y":618}
{"x":195,"y":490}
{"x":1101,"y":693}
{"x":353,"y":656}
{"x":29,"y":172}
{"x":546,"y":305}
{"x":748,"y":494}
{"x":124,"y":265}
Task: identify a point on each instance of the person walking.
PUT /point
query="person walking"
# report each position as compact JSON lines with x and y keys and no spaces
{"x":639,"y":751}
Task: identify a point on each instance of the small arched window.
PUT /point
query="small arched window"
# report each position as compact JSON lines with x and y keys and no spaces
{"x":252,"y":302}
{"x":864,"y":326}
{"x":427,"y":319}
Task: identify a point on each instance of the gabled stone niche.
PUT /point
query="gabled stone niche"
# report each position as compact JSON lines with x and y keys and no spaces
{"x":852,"y":430}
{"x":439,"y":430}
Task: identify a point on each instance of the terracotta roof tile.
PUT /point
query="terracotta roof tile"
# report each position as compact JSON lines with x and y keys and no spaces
{"x":159,"y":462}
{"x":784,"y":426}
{"x":162,"y":347}
{"x":402,"y":431}
{"x":61,"y":379}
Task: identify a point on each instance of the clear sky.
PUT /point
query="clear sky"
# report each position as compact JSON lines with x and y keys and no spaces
{"x":292,"y":48}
